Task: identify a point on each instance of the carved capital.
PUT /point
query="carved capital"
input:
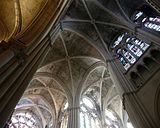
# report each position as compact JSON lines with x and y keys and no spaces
{"x":73,"y":108}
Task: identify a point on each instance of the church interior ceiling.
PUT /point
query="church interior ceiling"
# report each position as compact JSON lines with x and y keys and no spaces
{"x":76,"y":60}
{"x":18,"y":18}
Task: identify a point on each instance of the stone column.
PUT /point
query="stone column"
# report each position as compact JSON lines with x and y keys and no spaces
{"x":19,"y":61}
{"x":138,"y":115}
{"x":16,"y":70}
{"x":74,"y":117}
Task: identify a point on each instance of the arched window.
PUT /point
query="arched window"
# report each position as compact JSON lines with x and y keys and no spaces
{"x":64,"y":118}
{"x":88,"y":114}
{"x":147,"y":17}
{"x":128,"y":49}
{"x":24,"y":120}
{"x":32,"y":112}
{"x":111,"y":120}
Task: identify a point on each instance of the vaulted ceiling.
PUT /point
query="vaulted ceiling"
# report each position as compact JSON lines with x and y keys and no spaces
{"x":19,"y":17}
{"x":73,"y":66}
{"x":76,"y":62}
{"x":70,"y":61}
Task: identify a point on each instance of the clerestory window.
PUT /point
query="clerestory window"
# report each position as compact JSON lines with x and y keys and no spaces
{"x":148,"y":18}
{"x":88,"y":114}
{"x":24,"y":120}
{"x":128,"y":49}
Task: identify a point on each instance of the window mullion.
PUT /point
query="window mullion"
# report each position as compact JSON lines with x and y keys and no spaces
{"x":137,"y":46}
{"x":128,"y":50}
{"x":124,"y":57}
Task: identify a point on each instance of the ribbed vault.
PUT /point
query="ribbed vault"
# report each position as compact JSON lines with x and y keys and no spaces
{"x":21,"y":17}
{"x":100,"y":89}
{"x":62,"y":75}
{"x":69,"y":61}
{"x":75,"y":65}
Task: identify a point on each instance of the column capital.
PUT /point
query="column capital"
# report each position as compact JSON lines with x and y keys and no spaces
{"x":73,"y":108}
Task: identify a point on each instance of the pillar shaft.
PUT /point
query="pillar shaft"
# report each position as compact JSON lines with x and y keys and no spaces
{"x":137,"y":112}
{"x":74,"y":117}
{"x":16,"y":77}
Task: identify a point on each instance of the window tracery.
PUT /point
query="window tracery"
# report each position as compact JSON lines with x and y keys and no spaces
{"x":24,"y":120}
{"x":88,"y":114}
{"x":128,"y":49}
{"x":33,"y":112}
{"x":64,"y":118}
{"x":111,"y":120}
{"x":147,"y":18}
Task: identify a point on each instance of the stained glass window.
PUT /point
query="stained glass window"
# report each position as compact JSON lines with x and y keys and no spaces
{"x":88,"y":115}
{"x":64,"y":119}
{"x":24,"y":120}
{"x":111,"y":120}
{"x":150,"y":22}
{"x":139,"y":14}
{"x":31,"y":112}
{"x":88,"y":103}
{"x":128,"y":49}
